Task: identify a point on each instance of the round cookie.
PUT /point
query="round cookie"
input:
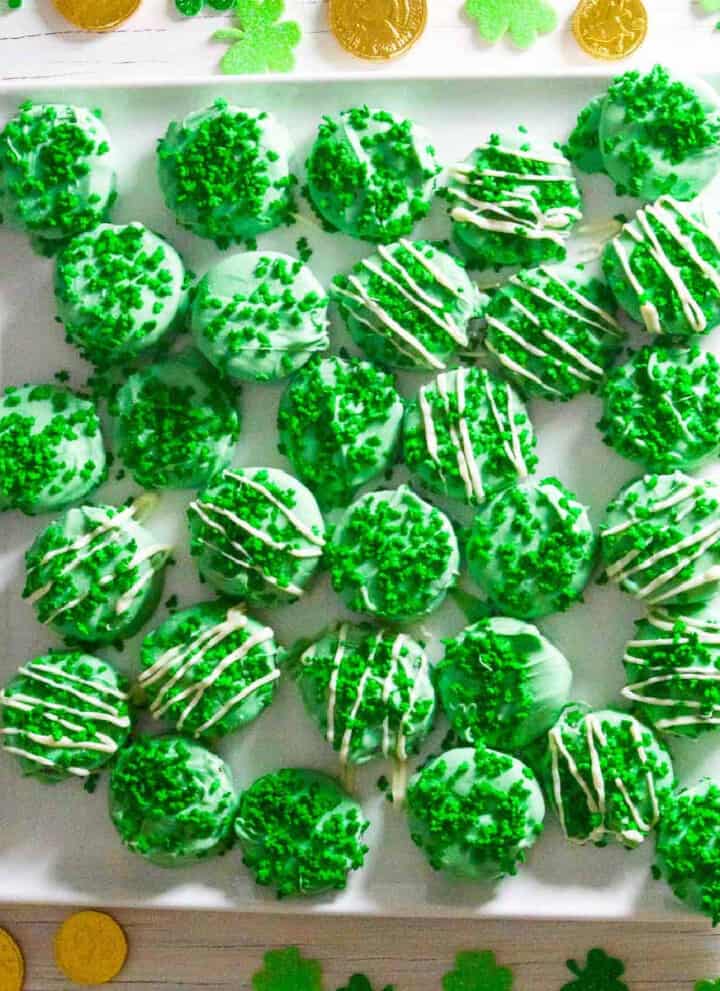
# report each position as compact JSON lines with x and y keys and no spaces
{"x":258,"y":535}
{"x":57,"y":170}
{"x":300,"y":833}
{"x":513,"y":202}
{"x":475,"y":813}
{"x":660,"y":134}
{"x":583,"y":144}
{"x":660,"y":541}
{"x":607,"y":775}
{"x":662,"y":407}
{"x":409,"y":305}
{"x":339,"y":422}
{"x":663,"y":268}
{"x":393,"y":555}
{"x":553,"y":332}
{"x":672,"y":666}
{"x":65,"y":715}
{"x":119,"y":289}
{"x":371,"y":175}
{"x":467,"y":435}
{"x":176,"y":423}
{"x":172,"y":801}
{"x":224,"y":173}
{"x":501,"y":683}
{"x":51,"y":448}
{"x":531,"y":549}
{"x":259,"y":316}
{"x":209,"y":670}
{"x":95,"y":574}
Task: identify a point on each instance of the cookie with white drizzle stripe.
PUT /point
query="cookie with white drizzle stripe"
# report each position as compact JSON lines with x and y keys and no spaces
{"x":64,"y":715}
{"x":553,"y":331}
{"x":467,"y":435}
{"x":660,"y":541}
{"x":664,"y":267}
{"x":95,"y":574}
{"x":257,"y":534}
{"x":672,"y":666}
{"x":513,"y":202}
{"x":606,"y":775}
{"x":409,"y":305}
{"x":209,"y":670}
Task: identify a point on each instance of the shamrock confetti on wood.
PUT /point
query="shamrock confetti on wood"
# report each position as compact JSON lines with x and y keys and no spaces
{"x":523,"y":20}
{"x":288,"y":970}
{"x":600,"y":973}
{"x":259,"y":43}
{"x":359,"y":982}
{"x":477,"y":972}
{"x":189,"y":8}
{"x":708,"y":985}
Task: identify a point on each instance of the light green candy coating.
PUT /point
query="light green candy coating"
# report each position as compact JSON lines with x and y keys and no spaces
{"x":57,"y":703}
{"x":51,"y":448}
{"x":172,"y":801}
{"x":475,"y":813}
{"x":119,"y":289}
{"x":583,"y":144}
{"x":467,"y":435}
{"x":259,"y":316}
{"x":95,"y":574}
{"x":257,"y":534}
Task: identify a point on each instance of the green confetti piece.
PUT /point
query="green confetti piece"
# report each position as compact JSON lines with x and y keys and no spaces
{"x":261,"y":42}
{"x":477,"y":972}
{"x":710,"y":6}
{"x":189,"y":8}
{"x":523,"y":20}
{"x":708,"y":985}
{"x":600,"y":973}
{"x":288,"y":970}
{"x":359,"y":982}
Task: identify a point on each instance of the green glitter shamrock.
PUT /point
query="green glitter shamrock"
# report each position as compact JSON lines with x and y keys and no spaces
{"x":359,"y":982}
{"x":523,"y":20}
{"x":708,"y":985}
{"x":260,"y":44}
{"x":189,"y":8}
{"x":477,"y":972}
{"x":600,"y":973}
{"x":288,"y":970}
{"x":710,"y":6}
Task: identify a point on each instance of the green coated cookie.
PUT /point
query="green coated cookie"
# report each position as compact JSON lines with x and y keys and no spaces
{"x":300,"y":833}
{"x":65,"y":715}
{"x":172,"y":801}
{"x":259,"y":316}
{"x":51,"y":448}
{"x":339,"y":422}
{"x":583,"y":144}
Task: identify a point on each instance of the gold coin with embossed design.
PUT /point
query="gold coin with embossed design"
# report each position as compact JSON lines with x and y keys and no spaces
{"x":90,"y":948}
{"x":96,"y":15}
{"x":377,"y":29}
{"x":12,"y":965}
{"x":610,"y":29}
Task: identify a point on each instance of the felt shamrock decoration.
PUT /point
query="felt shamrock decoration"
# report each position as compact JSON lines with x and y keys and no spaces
{"x":477,"y":972}
{"x":359,"y":982}
{"x":259,"y":43}
{"x":523,"y":20}
{"x":191,"y":7}
{"x":287,"y":970}
{"x":600,"y":973}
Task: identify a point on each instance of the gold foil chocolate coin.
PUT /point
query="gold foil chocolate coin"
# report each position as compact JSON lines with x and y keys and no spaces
{"x":610,"y":29}
{"x":12,"y":965}
{"x":96,"y":15}
{"x":90,"y":948}
{"x":377,"y":29}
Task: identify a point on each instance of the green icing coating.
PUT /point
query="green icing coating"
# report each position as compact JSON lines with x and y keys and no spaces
{"x":513,"y":202}
{"x":583,"y":143}
{"x":259,"y":316}
{"x":339,"y":423}
{"x":607,"y":776}
{"x":176,"y":423}
{"x":300,"y":833}
{"x":172,"y":801}
{"x":660,"y":135}
{"x":51,"y":448}
{"x":467,"y":435}
{"x":64,"y":715}
{"x":662,"y":407}
{"x":553,"y":331}
{"x":57,"y":170}
{"x":475,"y":813}
{"x":688,"y":846}
{"x":409,"y":305}
{"x":209,"y":670}
{"x":531,"y":549}
{"x":393,"y":555}
{"x":224,"y":173}
{"x":663,"y":268}
{"x":501,"y":683}
{"x":371,"y":174}
{"x":95,"y":574}
{"x":660,"y":541}
{"x":119,"y":289}
{"x":258,"y":535}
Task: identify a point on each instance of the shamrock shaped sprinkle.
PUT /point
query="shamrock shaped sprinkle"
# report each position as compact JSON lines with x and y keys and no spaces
{"x":477,"y":972}
{"x":600,"y":973}
{"x":259,"y":43}
{"x":708,"y":985}
{"x":191,"y":7}
{"x":288,"y":970}
{"x":359,"y":982}
{"x":523,"y":20}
